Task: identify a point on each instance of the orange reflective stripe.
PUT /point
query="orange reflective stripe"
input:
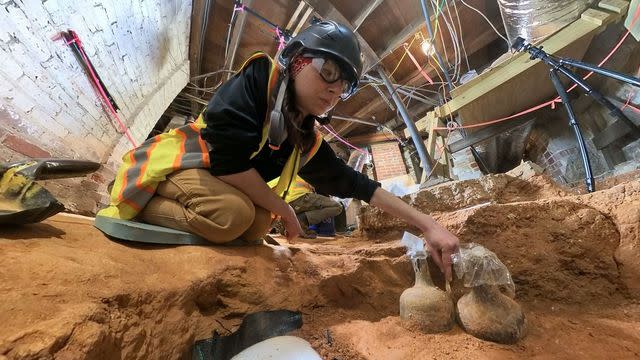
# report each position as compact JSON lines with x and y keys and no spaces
{"x":273,"y":79}
{"x":314,"y":149}
{"x":124,"y":177}
{"x":148,"y":165}
{"x":132,"y":204}
{"x":138,"y":158}
{"x":254,"y":56}
{"x":316,"y":146}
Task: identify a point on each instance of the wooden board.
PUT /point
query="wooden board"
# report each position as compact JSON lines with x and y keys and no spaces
{"x":635,"y":30}
{"x":616,"y":6}
{"x":520,"y":82}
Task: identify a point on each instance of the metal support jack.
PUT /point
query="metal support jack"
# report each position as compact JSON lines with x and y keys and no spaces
{"x":425,"y":159}
{"x":557,"y":66}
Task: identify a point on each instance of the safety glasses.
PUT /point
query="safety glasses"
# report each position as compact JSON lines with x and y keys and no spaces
{"x":331,"y":72}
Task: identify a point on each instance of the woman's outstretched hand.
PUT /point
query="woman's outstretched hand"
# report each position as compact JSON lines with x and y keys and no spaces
{"x":292,"y":227}
{"x":440,"y":243}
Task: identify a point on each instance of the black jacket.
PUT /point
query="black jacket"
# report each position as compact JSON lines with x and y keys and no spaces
{"x":235,"y":118}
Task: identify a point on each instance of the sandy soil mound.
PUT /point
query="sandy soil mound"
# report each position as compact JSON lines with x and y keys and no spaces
{"x":571,"y":258}
{"x":453,"y":196}
{"x":70,"y":293}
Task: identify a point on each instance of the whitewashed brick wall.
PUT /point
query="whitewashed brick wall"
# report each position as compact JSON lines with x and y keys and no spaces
{"x":48,"y":107}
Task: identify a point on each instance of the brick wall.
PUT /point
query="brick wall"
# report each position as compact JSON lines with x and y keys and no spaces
{"x":553,"y":146}
{"x":47,"y":104}
{"x":387,"y":160}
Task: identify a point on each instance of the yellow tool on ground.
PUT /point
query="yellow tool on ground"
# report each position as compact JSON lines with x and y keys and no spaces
{"x":23,"y":200}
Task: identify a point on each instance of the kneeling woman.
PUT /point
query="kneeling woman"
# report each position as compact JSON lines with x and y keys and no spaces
{"x":209,"y":178}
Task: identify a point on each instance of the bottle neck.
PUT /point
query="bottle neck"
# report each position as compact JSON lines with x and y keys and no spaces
{"x":421,"y":270}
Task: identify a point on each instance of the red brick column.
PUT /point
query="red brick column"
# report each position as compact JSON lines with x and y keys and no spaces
{"x":388,"y":160}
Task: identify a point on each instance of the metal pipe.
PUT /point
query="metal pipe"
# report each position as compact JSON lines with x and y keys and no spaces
{"x":588,"y":177}
{"x":360,"y":121}
{"x":427,"y":18}
{"x":352,"y":119}
{"x":411,"y":126}
{"x":602,"y":71}
{"x":412,"y":94}
{"x":260,"y":17}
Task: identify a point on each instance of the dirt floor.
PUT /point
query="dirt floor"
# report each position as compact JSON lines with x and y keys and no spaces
{"x":70,"y":293}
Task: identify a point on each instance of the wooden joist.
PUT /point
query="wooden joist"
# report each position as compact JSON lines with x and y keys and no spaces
{"x":487,"y":133}
{"x":363,"y":140}
{"x":519,"y":82}
{"x":616,"y":6}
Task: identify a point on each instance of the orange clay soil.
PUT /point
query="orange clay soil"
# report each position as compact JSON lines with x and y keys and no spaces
{"x":68,"y":292}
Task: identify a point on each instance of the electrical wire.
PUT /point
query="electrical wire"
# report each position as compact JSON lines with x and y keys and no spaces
{"x":211,"y":74}
{"x":427,"y":21}
{"x":335,"y":134}
{"x":628,"y":103}
{"x":488,"y":21}
{"x":551,"y":102}
{"x":454,"y":40}
{"x":457,"y":37}
{"x":466,"y":57}
{"x":436,"y":33}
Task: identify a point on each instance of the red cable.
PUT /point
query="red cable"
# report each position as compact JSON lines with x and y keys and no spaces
{"x":344,"y":141}
{"x":415,"y":62}
{"x":103,"y":95}
{"x":557,"y":99}
{"x":281,"y":41}
{"x":628,"y":105}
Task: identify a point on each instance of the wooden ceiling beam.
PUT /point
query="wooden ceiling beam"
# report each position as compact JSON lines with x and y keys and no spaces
{"x":364,"y":140}
{"x":362,"y":16}
{"x":326,"y":10}
{"x":296,"y":14}
{"x":473,"y":45}
{"x":238,"y":29}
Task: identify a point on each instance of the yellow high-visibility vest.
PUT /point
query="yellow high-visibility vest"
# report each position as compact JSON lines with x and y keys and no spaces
{"x":146,"y":166}
{"x":298,"y":188}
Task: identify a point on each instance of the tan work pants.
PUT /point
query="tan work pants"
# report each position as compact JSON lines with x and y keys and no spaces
{"x":195,"y":201}
{"x":315,"y":207}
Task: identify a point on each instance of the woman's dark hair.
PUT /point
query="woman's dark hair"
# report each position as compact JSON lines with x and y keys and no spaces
{"x":300,"y":129}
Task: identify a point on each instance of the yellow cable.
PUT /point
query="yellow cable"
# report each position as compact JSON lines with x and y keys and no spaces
{"x":435,"y":31}
{"x":397,"y":65}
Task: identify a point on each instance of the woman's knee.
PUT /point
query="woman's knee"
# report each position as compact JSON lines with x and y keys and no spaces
{"x":260,"y":226}
{"x":235,"y":217}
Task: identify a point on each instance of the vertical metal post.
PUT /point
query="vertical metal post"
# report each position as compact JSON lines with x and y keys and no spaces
{"x":415,"y":136}
{"x":588,"y":174}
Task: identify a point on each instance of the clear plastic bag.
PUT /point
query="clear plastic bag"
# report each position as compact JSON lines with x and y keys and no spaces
{"x":414,"y":245}
{"x":476,"y":266}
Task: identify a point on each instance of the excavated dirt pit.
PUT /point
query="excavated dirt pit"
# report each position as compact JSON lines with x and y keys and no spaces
{"x":70,"y":293}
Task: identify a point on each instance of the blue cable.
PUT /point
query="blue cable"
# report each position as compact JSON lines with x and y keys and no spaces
{"x":427,"y":18}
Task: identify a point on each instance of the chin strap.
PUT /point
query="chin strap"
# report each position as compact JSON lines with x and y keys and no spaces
{"x":325,"y":120}
{"x":277,"y":128}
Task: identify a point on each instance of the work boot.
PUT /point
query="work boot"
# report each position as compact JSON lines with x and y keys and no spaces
{"x":325,"y":227}
{"x":306,"y":232}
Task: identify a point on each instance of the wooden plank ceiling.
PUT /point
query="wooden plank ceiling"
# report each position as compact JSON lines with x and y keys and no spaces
{"x":383,"y":24}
